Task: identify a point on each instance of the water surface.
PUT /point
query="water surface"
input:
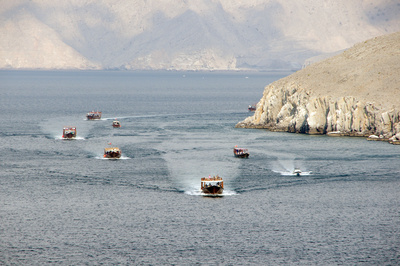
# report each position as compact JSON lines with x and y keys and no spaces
{"x":62,"y":203}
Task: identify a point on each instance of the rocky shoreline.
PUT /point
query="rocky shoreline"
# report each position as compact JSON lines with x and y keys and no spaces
{"x":355,"y":93}
{"x":292,"y":110}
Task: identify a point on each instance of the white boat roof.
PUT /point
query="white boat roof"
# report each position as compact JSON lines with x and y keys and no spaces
{"x":212,"y":181}
{"x":112,"y":149}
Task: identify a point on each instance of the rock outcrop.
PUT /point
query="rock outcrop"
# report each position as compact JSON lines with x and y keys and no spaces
{"x":356,"y":93}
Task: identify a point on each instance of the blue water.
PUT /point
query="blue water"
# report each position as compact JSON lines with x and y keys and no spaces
{"x":62,"y":203}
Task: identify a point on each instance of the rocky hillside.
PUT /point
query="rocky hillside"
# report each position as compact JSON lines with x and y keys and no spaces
{"x":185,"y":35}
{"x":354,"y":93}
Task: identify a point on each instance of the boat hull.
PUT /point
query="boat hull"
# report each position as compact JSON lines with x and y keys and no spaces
{"x":245,"y":155}
{"x":68,"y":138}
{"x":213,"y":190}
{"x":93,"y":118}
{"x":112,"y":156}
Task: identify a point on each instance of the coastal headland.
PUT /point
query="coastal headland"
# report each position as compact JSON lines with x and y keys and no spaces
{"x":355,"y":93}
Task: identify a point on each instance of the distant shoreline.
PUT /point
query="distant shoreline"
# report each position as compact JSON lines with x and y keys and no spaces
{"x":153,"y":70}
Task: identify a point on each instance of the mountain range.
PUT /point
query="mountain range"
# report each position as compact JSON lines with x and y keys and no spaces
{"x":184,"y":34}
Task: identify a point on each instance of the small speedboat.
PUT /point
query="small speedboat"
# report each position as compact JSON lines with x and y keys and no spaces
{"x":297,"y":172}
{"x":212,"y":186}
{"x":69,"y":133}
{"x":116,"y":123}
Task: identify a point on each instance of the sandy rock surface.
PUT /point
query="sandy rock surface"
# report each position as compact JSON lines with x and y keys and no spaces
{"x":354,"y":93}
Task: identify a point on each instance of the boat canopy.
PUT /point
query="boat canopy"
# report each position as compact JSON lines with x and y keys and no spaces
{"x":94,"y":114}
{"x":114,"y":149}
{"x":211,"y":182}
{"x":215,"y":181}
{"x":240,"y":151}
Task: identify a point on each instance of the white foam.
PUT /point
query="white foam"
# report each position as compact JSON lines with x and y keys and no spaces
{"x":285,"y":173}
{"x":198,"y":192}
{"x":77,"y":138}
{"x":121,"y":158}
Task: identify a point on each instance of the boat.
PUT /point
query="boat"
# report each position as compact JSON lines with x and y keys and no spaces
{"x":212,"y":185}
{"x":116,"y":123}
{"x":252,"y":108}
{"x":93,"y":115}
{"x":112,"y":153}
{"x":69,"y":133}
{"x":297,"y":172}
{"x":240,"y":152}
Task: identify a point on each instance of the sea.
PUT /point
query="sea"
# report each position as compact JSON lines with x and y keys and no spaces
{"x":62,"y":203}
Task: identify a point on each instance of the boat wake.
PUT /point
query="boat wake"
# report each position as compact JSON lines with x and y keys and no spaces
{"x":135,"y":116}
{"x":291,"y":173}
{"x":158,"y":115}
{"x":121,"y":158}
{"x":197,"y":192}
{"x":77,"y":138}
{"x":53,"y":127}
{"x":289,"y":165}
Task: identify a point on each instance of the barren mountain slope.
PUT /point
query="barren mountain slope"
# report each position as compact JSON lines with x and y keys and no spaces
{"x":369,"y":71}
{"x":185,"y":35}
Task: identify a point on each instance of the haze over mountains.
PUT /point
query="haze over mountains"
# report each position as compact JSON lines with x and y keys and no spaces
{"x":183,"y":34}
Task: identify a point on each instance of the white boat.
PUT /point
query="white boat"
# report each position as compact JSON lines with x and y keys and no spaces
{"x":297,"y":172}
{"x":116,"y":123}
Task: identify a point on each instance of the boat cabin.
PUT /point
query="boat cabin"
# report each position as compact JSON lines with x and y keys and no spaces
{"x":240,"y":152}
{"x":112,"y":153}
{"x":93,"y":115}
{"x":69,"y":133}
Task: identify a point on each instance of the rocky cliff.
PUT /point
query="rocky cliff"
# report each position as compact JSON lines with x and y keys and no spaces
{"x":355,"y":93}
